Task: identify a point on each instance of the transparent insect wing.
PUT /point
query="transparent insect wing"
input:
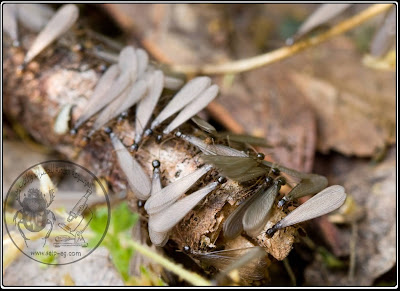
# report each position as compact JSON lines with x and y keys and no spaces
{"x":232,"y":167}
{"x":193,"y":108}
{"x":128,"y":63}
{"x":221,"y":260}
{"x":241,"y":262}
{"x":385,"y":37}
{"x":119,"y":105}
{"x":99,"y":98}
{"x":63,"y":20}
{"x":166,"y":219}
{"x":146,"y":106}
{"x":137,"y":178}
{"x":244,"y":139}
{"x":173,"y":191}
{"x":204,"y":125}
{"x":10,"y":25}
{"x":189,"y":92}
{"x":233,"y":226}
{"x":308,"y":186}
{"x":257,"y":214}
{"x":142,"y":61}
{"x":322,"y":203}
{"x":212,"y":149}
{"x":34,"y":16}
{"x":321,"y":15}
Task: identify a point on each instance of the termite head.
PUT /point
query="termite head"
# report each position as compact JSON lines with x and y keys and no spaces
{"x":271,"y":231}
{"x":276,"y":171}
{"x":140,"y":203}
{"x":156,"y":164}
{"x":148,"y":132}
{"x":280,"y":181}
{"x":186,"y":249}
{"x":221,"y":180}
{"x":260,"y":156}
{"x":282,"y":202}
{"x":159,"y":138}
{"x":108,"y":130}
{"x":134,"y":147}
{"x":73,"y":131}
{"x":269,"y":180}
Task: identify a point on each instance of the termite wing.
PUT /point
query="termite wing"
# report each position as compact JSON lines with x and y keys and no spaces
{"x":63,"y":19}
{"x":229,"y":136}
{"x":385,"y":36}
{"x":191,"y":98}
{"x":241,"y":262}
{"x":251,"y":266}
{"x":162,"y":221}
{"x":320,"y":16}
{"x":157,"y":238}
{"x":243,"y":169}
{"x":309,"y":184}
{"x":10,"y":25}
{"x":111,"y":85}
{"x":138,"y":180}
{"x":322,"y":203}
{"x":169,"y":194}
{"x":253,"y":213}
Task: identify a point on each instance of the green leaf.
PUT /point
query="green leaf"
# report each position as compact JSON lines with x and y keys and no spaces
{"x":99,"y":220}
{"x":122,"y":218}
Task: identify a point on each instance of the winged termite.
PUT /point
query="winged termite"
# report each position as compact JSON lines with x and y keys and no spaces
{"x":63,"y":20}
{"x":157,"y":238}
{"x":138,"y":180}
{"x":322,"y":203}
{"x":122,"y":103}
{"x":173,"y":191}
{"x":166,"y":219}
{"x":257,"y":214}
{"x":210,"y":149}
{"x":321,"y":15}
{"x":241,"y":262}
{"x":385,"y":36}
{"x":253,"y":213}
{"x":10,"y":25}
{"x":188,"y":93}
{"x":229,"y":259}
{"x":309,"y":184}
{"x":156,"y":180}
{"x":99,"y":98}
{"x":193,"y":108}
{"x":146,"y":106}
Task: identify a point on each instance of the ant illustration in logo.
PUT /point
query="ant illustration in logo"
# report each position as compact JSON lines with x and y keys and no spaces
{"x":35,"y":215}
{"x":79,"y":218}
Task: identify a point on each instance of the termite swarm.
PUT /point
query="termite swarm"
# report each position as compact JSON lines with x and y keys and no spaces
{"x":133,"y":81}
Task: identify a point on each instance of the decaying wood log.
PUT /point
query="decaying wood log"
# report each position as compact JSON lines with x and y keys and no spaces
{"x":66,"y":73}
